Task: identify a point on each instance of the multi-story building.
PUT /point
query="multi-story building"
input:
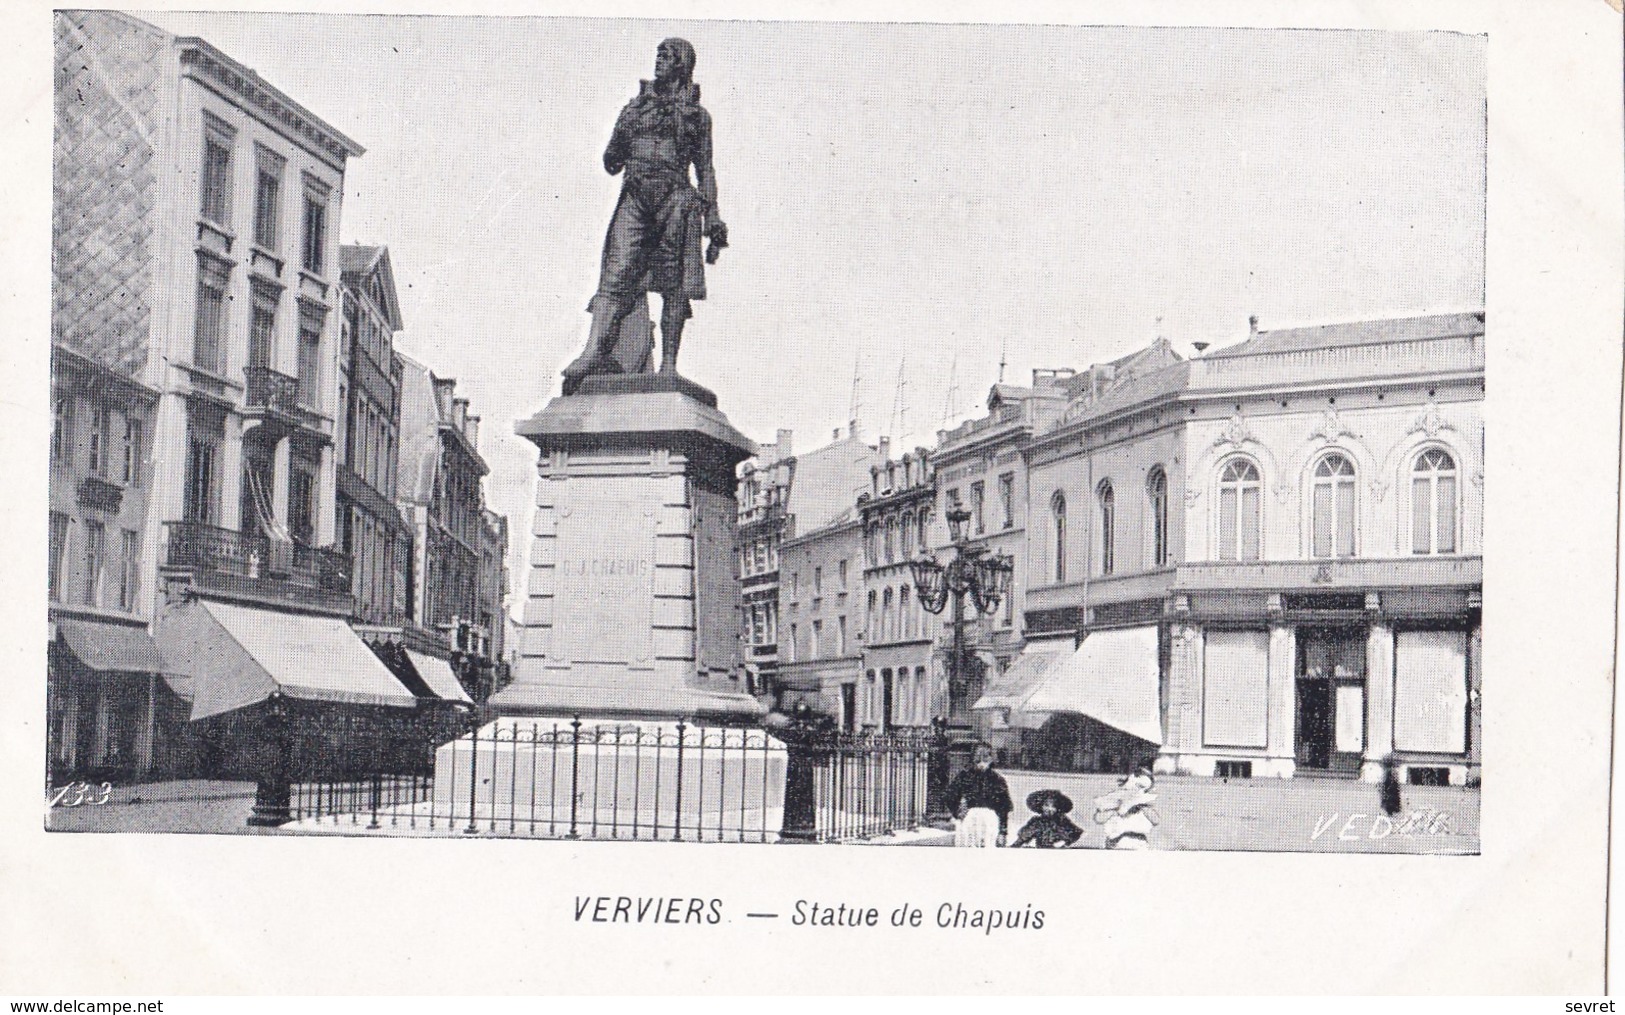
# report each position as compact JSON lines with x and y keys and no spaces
{"x":370,"y":528}
{"x":441,"y":499}
{"x":489,"y":630}
{"x":196,"y":271}
{"x":981,"y":467}
{"x":900,"y":686}
{"x":779,"y":495}
{"x":821,"y":647}
{"x":1269,"y":556}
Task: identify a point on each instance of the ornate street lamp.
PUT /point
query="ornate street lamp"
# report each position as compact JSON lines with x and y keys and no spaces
{"x":972,"y":572}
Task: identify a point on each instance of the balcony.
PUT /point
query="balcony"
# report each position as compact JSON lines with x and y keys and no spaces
{"x":268,"y":389}
{"x":242,"y":566}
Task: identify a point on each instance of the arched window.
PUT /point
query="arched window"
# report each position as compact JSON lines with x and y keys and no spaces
{"x":1333,"y":507}
{"x":905,"y":537}
{"x":1239,"y":500}
{"x":904,"y":611}
{"x":891,"y":540}
{"x":925,"y":520}
{"x":873,"y":633}
{"x":922,"y":690}
{"x":1433,"y":503}
{"x":1057,"y":507}
{"x":886,"y":616}
{"x":1108,"y":527}
{"x":1156,"y":491}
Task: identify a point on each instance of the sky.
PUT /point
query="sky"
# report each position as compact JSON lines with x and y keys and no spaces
{"x":908,"y":205}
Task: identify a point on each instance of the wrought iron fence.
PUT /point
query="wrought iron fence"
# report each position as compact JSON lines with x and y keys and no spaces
{"x":572,"y":779}
{"x":870,"y":784}
{"x":669,"y":781}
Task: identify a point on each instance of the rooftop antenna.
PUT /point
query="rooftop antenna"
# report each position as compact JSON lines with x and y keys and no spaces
{"x":899,"y":408}
{"x":953,"y":390}
{"x":1004,"y":345}
{"x":852,"y":408}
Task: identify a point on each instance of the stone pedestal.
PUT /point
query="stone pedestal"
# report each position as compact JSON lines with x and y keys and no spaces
{"x":631,"y":607}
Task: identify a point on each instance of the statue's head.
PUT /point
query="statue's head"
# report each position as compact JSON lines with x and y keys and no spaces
{"x":674,"y":61}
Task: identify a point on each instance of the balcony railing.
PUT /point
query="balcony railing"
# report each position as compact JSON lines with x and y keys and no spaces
{"x":272,"y":566}
{"x":268,"y":389}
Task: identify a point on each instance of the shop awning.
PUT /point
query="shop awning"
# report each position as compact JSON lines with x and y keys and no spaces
{"x":104,"y":646}
{"x":437,"y":674}
{"x":238,"y":656}
{"x":1112,"y":678}
{"x":1024,"y":674}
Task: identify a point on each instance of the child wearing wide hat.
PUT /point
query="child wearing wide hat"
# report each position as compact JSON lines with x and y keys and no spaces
{"x":1127,"y":811}
{"x":1050,"y":827}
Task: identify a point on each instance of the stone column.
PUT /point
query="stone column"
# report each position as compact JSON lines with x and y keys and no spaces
{"x":1379,"y":700}
{"x":280,"y":463}
{"x":1184,"y":699}
{"x":1475,"y":711}
{"x":229,"y":477}
{"x":1283,"y":700}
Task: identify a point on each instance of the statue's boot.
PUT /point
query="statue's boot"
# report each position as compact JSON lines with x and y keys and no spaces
{"x":672,"y":316}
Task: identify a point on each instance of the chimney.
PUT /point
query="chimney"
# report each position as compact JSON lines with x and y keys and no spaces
{"x":1252,"y":325}
{"x":1200,"y":347}
{"x":885,"y":449}
{"x":472,"y":431}
{"x":783,"y":443}
{"x":852,"y":429}
{"x":443,"y":387}
{"x":836,"y":435}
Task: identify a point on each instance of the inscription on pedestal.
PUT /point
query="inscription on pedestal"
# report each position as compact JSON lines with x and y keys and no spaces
{"x":604,"y":583}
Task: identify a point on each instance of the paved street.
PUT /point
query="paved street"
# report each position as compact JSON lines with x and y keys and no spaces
{"x":1298,"y":815}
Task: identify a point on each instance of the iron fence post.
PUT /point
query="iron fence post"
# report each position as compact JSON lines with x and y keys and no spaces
{"x":936,"y":776}
{"x":804,"y":747}
{"x":473,"y":775}
{"x":575,"y":772}
{"x":677,"y":810}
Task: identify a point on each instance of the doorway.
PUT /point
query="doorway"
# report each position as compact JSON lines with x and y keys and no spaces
{"x":887,"y":700}
{"x":849,"y":708}
{"x":1331,"y":720}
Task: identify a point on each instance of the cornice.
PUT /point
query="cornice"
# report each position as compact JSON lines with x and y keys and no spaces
{"x":202,"y":61}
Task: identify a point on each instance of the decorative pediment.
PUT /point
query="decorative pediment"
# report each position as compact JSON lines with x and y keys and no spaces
{"x":1331,"y":427}
{"x":1430,"y":422}
{"x":1235,"y":433}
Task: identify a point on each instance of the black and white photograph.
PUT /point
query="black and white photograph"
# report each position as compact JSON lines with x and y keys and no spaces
{"x":530,"y":436}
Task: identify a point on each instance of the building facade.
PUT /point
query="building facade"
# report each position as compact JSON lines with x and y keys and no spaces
{"x":195,"y":288}
{"x":779,"y":495}
{"x":900,"y":686}
{"x":370,"y":528}
{"x":441,"y":498}
{"x":981,"y":466}
{"x":821,"y":647}
{"x":1269,"y":557}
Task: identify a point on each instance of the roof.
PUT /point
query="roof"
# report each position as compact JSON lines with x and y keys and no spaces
{"x":358,"y":263}
{"x":1330,"y":336}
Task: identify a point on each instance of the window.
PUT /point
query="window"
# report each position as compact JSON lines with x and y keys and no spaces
{"x":58,"y":550}
{"x":840,"y":635}
{"x":131,"y":470}
{"x":262,"y":326}
{"x":101,"y":424}
{"x":1239,"y":500}
{"x":268,"y":199}
{"x":1433,"y":503}
{"x":301,"y":502}
{"x":1007,"y":500}
{"x":201,"y":504}
{"x":843,"y":575}
{"x":315,"y":248}
{"x":818,"y":582}
{"x":891,"y":540}
{"x":905,"y":614}
{"x":61,"y":427}
{"x":95,"y":560}
{"x":905,"y":537}
{"x":130,"y":576}
{"x":977,"y":495}
{"x":310,"y":366}
{"x":1156,"y":491}
{"x":816,"y":645}
{"x":1333,"y":507}
{"x":1009,"y":604}
{"x":869,"y":624}
{"x":887,"y":617}
{"x":1057,"y":507}
{"x":925,"y":521}
{"x":208,"y":345}
{"x":1108,"y":528}
{"x":214,"y":182}
{"x":792,"y":643}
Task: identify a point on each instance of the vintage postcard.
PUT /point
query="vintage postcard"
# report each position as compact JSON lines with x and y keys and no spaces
{"x":594,"y":455}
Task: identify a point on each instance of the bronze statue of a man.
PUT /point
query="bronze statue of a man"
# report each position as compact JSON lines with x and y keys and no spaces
{"x":653,"y":244}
